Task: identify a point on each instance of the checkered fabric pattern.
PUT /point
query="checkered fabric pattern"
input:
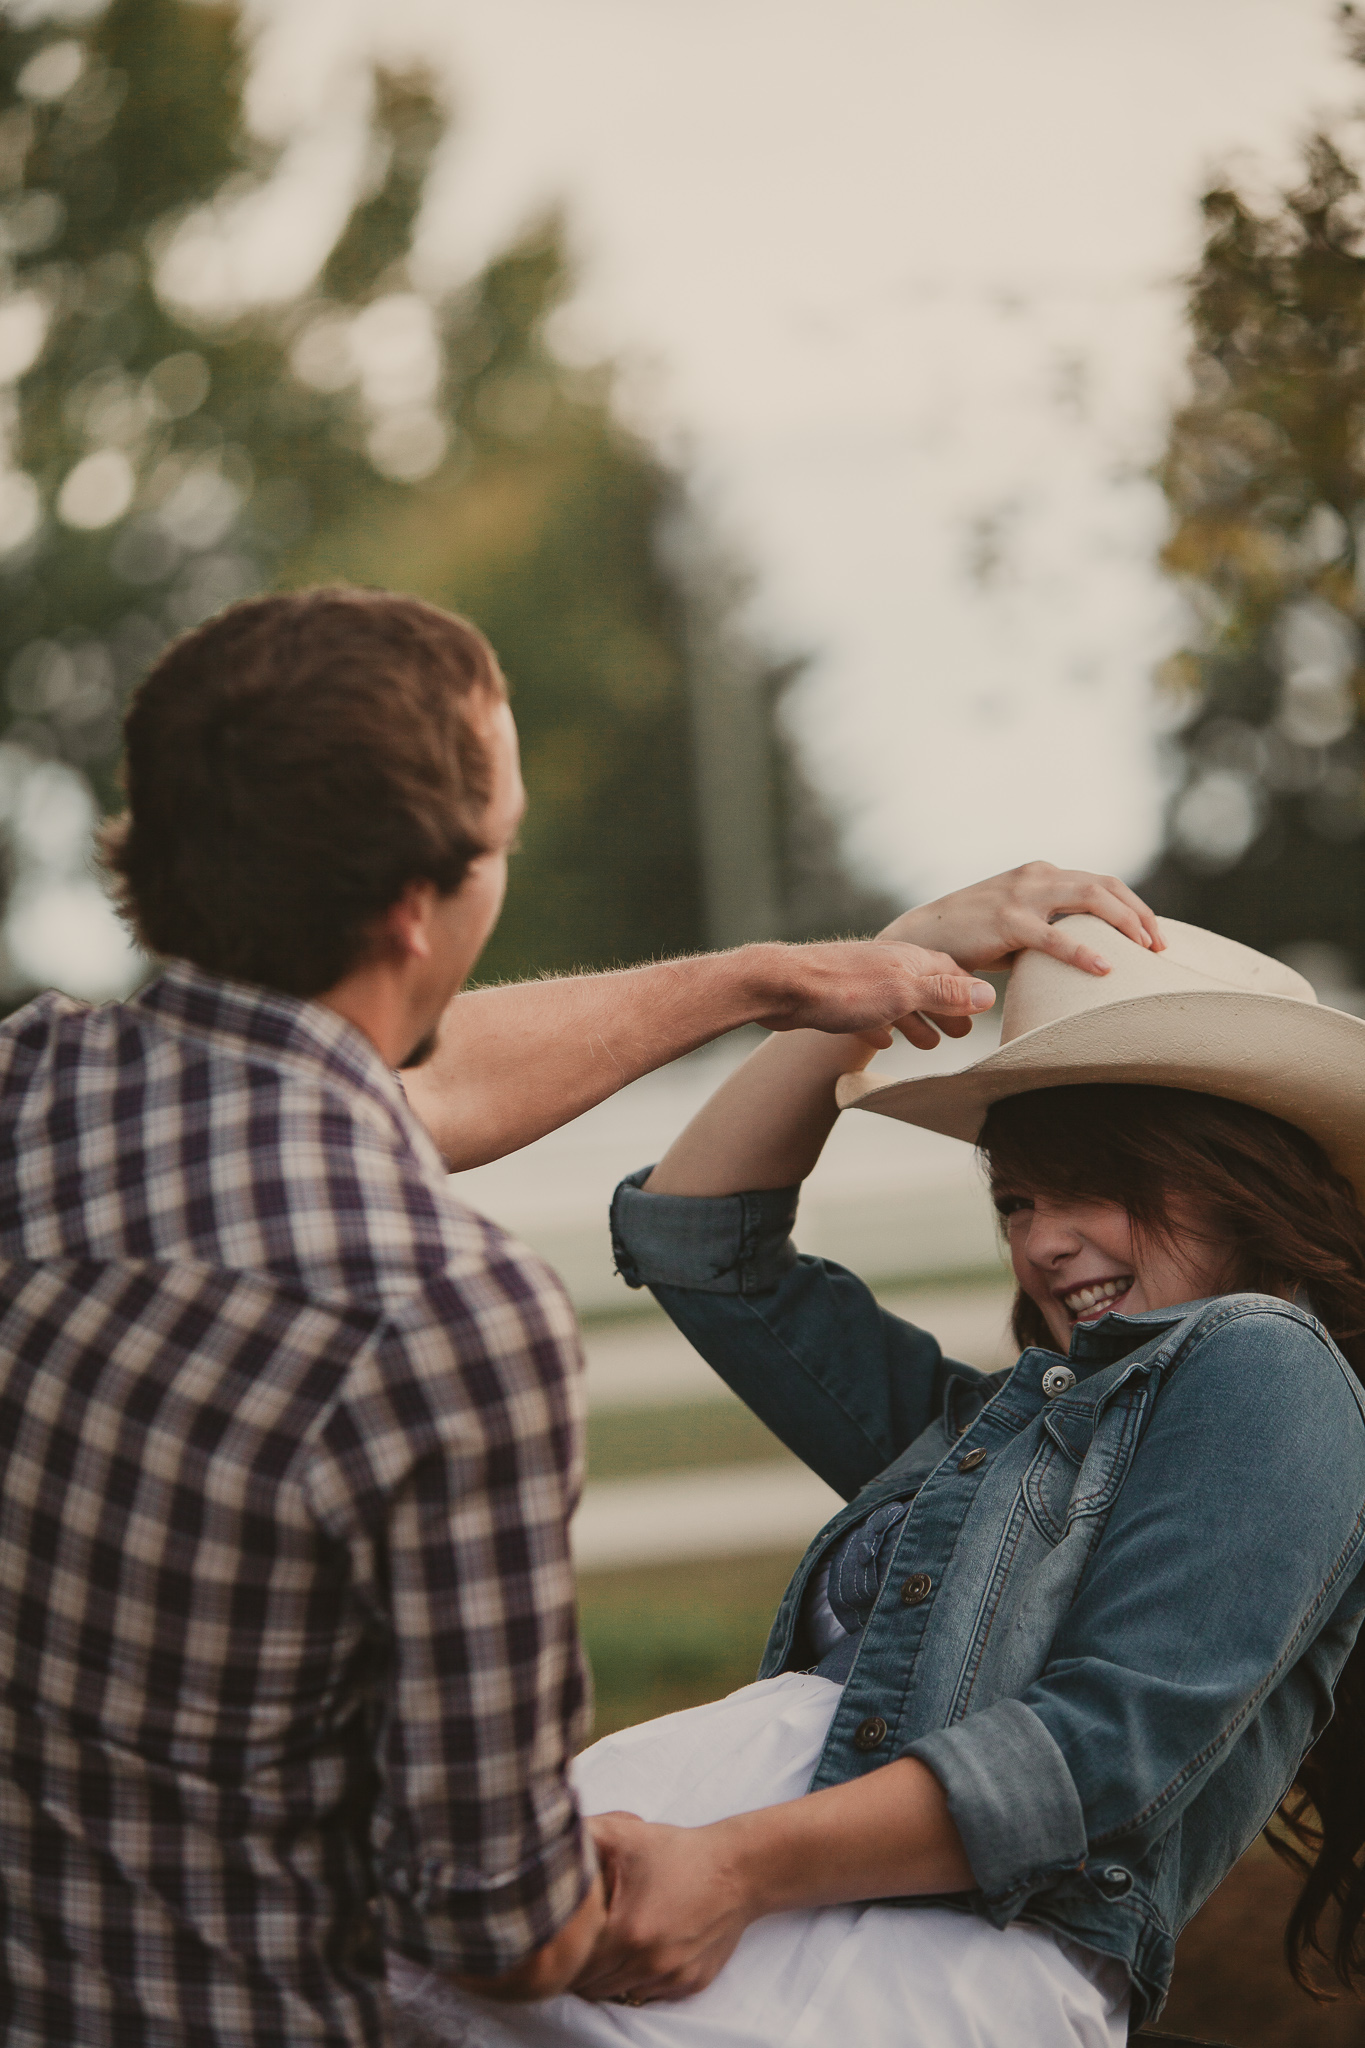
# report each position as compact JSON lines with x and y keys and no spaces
{"x":289,"y":1442}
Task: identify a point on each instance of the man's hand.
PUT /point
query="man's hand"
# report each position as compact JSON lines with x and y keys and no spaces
{"x":551,"y":1969}
{"x":867,"y":986}
{"x":674,"y":1911}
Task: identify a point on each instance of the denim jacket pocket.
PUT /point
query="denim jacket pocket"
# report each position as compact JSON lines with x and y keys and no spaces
{"x":1061,"y":1512}
{"x":1049,"y":1485}
{"x":1082,"y":1463}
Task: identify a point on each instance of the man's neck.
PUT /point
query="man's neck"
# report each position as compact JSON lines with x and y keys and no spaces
{"x":372,"y":999}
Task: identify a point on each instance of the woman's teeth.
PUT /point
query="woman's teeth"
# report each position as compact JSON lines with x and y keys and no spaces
{"x":1082,"y":1300}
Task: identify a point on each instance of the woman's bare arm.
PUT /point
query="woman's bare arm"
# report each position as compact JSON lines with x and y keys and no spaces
{"x":679,"y":1898}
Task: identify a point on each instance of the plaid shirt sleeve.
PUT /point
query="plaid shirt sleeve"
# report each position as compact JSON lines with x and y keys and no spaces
{"x":453,"y":1468}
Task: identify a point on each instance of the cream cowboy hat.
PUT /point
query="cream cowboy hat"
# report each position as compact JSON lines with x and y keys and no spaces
{"x":1206,"y":1014}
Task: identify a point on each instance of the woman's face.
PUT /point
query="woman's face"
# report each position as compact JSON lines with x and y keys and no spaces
{"x":1080,"y":1260}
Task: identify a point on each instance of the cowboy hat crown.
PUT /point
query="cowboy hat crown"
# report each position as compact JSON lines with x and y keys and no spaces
{"x":1206,"y":1014}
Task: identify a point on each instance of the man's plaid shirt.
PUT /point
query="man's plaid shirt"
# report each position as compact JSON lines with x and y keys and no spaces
{"x":288,"y":1445}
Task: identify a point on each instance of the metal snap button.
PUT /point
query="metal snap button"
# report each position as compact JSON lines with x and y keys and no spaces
{"x":1058,"y":1379}
{"x":971,"y":1461}
{"x":916,"y":1589}
{"x":1116,"y":1880}
{"x":870,"y":1734}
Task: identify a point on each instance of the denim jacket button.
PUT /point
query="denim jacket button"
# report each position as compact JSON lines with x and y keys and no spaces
{"x":1116,"y":1880}
{"x":916,"y":1589}
{"x":971,"y":1461}
{"x":1058,"y":1379}
{"x":870,"y":1734}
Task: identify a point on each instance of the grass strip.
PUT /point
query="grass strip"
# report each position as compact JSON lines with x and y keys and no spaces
{"x":674,"y":1635}
{"x":682,"y":1436}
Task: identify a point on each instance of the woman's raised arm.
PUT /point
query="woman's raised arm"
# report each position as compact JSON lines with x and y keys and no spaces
{"x":766,"y":1126}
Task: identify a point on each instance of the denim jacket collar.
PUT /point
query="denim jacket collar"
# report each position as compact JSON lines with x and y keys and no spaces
{"x":1115,"y":1336}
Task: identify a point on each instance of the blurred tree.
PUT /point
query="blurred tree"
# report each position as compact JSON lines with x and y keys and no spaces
{"x":165,"y":459}
{"x":164,"y":462}
{"x":1265,"y":477}
{"x":545,"y":524}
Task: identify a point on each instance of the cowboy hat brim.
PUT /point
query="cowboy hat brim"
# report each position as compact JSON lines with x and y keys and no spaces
{"x":1300,"y":1061}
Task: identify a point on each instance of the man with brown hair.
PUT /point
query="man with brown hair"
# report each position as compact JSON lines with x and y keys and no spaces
{"x":291,"y":1439}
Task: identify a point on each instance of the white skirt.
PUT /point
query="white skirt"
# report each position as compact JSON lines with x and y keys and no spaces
{"x":880,"y":1976}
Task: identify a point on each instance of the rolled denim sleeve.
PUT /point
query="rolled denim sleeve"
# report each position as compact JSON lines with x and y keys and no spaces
{"x":1221,"y":1603}
{"x":983,"y":1766}
{"x":718,"y":1244}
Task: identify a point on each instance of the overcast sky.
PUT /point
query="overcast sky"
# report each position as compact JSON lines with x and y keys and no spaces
{"x":898,"y":279}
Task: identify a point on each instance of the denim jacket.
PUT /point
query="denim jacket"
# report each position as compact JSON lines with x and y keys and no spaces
{"x":1114,"y":1615}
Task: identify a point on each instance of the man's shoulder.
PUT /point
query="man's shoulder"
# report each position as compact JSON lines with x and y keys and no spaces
{"x":472,"y":1355}
{"x":126,"y":1131}
{"x":32,"y":1027}
{"x":487,"y":1284}
{"x":54,"y":1045}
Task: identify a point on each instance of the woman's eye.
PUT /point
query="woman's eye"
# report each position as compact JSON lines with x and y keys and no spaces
{"x":1010,"y":1205}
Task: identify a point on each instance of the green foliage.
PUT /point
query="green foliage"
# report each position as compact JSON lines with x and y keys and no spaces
{"x":181,"y":462}
{"x":546,"y":529}
{"x":1265,"y":477}
{"x":175,"y":461}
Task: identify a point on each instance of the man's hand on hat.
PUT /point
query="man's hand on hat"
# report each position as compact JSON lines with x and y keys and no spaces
{"x":861,"y":988}
{"x":985,"y":926}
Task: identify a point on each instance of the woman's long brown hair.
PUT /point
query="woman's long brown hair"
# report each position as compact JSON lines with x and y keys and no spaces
{"x":1296,"y":1230}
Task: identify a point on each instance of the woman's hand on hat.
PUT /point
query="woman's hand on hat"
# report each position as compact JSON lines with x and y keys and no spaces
{"x":985,"y":926}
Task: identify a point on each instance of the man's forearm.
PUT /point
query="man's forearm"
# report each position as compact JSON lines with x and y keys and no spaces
{"x":513,"y":1063}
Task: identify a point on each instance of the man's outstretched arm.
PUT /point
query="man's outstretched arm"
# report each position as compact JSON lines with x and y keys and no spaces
{"x":515,"y":1062}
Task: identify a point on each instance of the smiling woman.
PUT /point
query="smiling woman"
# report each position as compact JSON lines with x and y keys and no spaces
{"x":1020,"y":1670}
{"x":1125,"y":1197}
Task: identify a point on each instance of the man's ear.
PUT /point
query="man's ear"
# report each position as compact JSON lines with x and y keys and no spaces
{"x":405,"y":927}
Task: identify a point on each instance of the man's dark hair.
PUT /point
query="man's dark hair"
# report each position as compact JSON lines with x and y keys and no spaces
{"x":291,"y":766}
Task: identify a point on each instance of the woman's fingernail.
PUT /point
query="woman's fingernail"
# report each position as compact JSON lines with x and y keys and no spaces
{"x":1146,"y":936}
{"x":983,"y":995}
{"x":1101,"y":965}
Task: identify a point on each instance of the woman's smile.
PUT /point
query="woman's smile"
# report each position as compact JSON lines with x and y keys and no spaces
{"x":1080,"y":1259}
{"x":1088,"y":1300}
